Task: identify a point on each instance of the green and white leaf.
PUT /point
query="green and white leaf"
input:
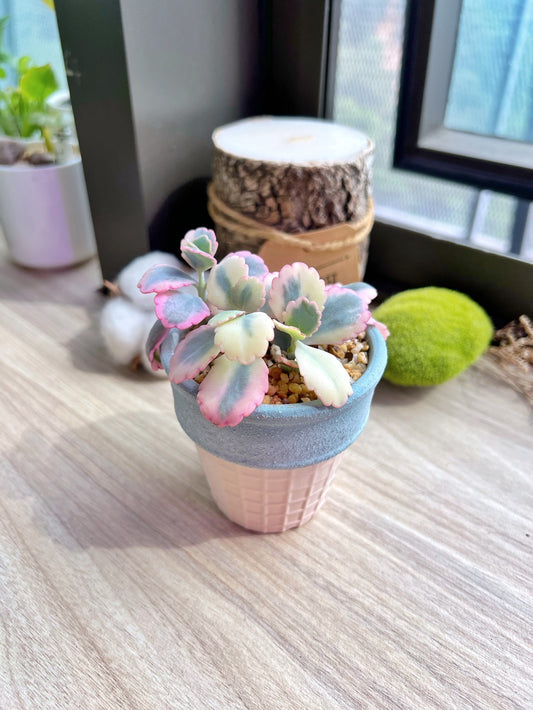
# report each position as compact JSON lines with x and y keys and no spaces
{"x":245,"y":338}
{"x":222,"y":278}
{"x":291,"y":330}
{"x":193,"y":354}
{"x":223,"y":317}
{"x":302,"y":314}
{"x":231,"y":390}
{"x":293,"y":282}
{"x":324,"y":373}
{"x":248,"y":294}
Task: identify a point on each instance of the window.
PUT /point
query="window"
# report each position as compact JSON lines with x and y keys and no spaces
{"x":340,"y":58}
{"x":32,"y":31}
{"x":369,"y":62}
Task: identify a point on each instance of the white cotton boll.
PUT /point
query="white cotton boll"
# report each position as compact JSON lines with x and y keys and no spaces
{"x":144,"y":357}
{"x":123,"y":327}
{"x":130,"y":275}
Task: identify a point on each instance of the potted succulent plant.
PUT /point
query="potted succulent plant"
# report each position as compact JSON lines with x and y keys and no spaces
{"x":232,"y":339}
{"x":44,"y":210}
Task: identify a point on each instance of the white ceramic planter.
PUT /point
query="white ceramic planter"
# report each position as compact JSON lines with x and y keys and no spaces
{"x":45,"y":215}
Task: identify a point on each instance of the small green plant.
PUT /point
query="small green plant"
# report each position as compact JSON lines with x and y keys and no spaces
{"x":241,"y":313}
{"x":24,"y":110}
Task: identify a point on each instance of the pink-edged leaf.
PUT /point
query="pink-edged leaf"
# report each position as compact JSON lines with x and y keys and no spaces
{"x":294,"y":281}
{"x":323,"y":373}
{"x":267,"y":281}
{"x":245,"y":338}
{"x":163,"y":277}
{"x":385,"y":332}
{"x":363,"y":290}
{"x":222,"y":278}
{"x":248,"y":294}
{"x":202,"y":238}
{"x":345,"y":315}
{"x":197,"y":259}
{"x":198,"y":247}
{"x":167,"y":347}
{"x":277,"y":355}
{"x":256,"y":265}
{"x":231,"y":390}
{"x":180,"y":309}
{"x":223,"y":317}
{"x":193,"y":354}
{"x":303,"y":314}
{"x":156,"y":336}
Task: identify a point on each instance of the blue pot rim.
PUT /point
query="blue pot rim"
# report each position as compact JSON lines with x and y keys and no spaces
{"x":315,"y":410}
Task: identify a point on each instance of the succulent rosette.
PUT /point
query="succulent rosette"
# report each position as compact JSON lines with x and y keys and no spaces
{"x":230,"y":321}
{"x":198,"y":248}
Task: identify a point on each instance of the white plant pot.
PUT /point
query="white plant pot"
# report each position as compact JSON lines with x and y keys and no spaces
{"x":45,"y":215}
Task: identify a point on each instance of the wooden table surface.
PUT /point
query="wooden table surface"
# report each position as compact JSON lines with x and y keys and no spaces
{"x":122,"y":586}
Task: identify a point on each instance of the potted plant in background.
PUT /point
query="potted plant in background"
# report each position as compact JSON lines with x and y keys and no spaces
{"x":44,"y":210}
{"x":267,"y":376}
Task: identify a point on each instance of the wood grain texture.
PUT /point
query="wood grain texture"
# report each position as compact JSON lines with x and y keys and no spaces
{"x":122,"y":586}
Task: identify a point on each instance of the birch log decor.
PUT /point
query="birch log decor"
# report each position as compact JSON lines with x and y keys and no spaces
{"x":294,"y":189}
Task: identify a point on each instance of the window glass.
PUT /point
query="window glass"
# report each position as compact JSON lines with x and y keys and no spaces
{"x":32,"y":31}
{"x":491,"y":90}
{"x":366,"y":95}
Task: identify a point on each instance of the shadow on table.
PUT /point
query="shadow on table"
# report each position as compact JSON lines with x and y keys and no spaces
{"x":389,"y":395}
{"x":88,"y":353}
{"x":122,"y":482}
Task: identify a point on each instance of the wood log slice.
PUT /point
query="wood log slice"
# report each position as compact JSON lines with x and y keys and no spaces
{"x":293,"y":174}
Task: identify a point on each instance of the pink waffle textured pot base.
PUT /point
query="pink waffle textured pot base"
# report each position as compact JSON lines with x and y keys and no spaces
{"x":264,"y":499}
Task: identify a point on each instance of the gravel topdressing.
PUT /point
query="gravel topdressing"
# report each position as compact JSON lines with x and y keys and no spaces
{"x":286,"y":386}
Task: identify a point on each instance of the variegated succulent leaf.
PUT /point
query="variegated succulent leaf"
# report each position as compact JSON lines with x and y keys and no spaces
{"x":198,"y":248}
{"x":180,"y":309}
{"x":231,"y":391}
{"x":223,"y":317}
{"x":222,"y":278}
{"x":164,"y":277}
{"x":278,"y":355}
{"x":168,"y":346}
{"x":267,"y":281}
{"x":230,"y":287}
{"x":345,"y":315}
{"x":323,"y":373}
{"x":293,"y":282}
{"x":193,"y":354}
{"x":363,"y":290}
{"x":302,"y":314}
{"x":292,"y":331}
{"x":156,"y":336}
{"x":248,"y":294}
{"x":385,"y":332}
{"x":256,"y":265}
{"x":245,"y":338}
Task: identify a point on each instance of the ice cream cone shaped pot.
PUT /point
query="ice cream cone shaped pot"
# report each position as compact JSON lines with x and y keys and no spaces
{"x":272,"y":471}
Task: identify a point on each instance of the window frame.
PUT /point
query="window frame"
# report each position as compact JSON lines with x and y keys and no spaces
{"x":398,"y":258}
{"x":423,"y":143}
{"x":100,"y":97}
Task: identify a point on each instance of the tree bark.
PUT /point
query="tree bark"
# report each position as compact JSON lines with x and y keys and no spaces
{"x":294,"y":196}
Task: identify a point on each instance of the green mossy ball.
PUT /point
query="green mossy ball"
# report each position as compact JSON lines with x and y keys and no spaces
{"x":435,"y":334}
